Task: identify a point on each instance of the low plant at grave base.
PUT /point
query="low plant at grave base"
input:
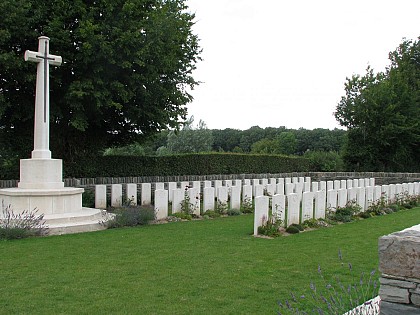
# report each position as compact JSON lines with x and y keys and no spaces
{"x":21,"y":225}
{"x":247,"y":205}
{"x":271,"y":227}
{"x":212,"y":214}
{"x":221,"y":207}
{"x":232,"y":212}
{"x":129,"y":216}
{"x":346,"y":213}
{"x":333,"y":296}
{"x":314,"y":223}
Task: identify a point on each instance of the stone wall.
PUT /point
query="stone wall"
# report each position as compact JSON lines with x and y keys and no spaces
{"x":399,"y":262}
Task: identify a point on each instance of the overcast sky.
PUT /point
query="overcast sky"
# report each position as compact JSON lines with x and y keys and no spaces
{"x":278,"y":63}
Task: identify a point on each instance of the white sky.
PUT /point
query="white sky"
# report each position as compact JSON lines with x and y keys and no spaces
{"x":277,"y":63}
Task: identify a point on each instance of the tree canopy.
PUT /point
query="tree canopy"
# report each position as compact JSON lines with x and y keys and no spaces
{"x":382,"y":114}
{"x":127,"y":66}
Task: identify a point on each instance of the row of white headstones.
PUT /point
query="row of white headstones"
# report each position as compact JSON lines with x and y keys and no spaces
{"x":293,"y":200}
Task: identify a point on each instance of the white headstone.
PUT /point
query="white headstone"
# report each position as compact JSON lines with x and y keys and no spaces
{"x":207,"y":183}
{"x":247,"y":193}
{"x":116,"y":195}
{"x":194,"y":194}
{"x":280,"y":189}
{"x":367,"y":182}
{"x":271,"y":189}
{"x":159,"y":186}
{"x":235,"y":197}
{"x":355,"y":182}
{"x":278,"y":207}
{"x":377,"y":193}
{"x":131,"y":194}
{"x":352,"y":194}
{"x":208,"y":199}
{"x":323,"y":186}
{"x":222,"y":194}
{"x":217,"y":183}
{"x":171,"y":187}
{"x":342,"y":197}
{"x":228,"y":183}
{"x":361,"y":197}
{"x":361,"y":182}
{"x":280,"y":181}
{"x":100,"y":196}
{"x":258,"y":190}
{"x":385,"y":192}
{"x":349,"y":184}
{"x":161,"y":204}
{"x":178,"y":198}
{"x":185,"y":185}
{"x":307,"y":206}
{"x":392,"y":192}
{"x":411,"y":189}
{"x":315,"y":186}
{"x":289,"y":189}
{"x":197,"y":184}
{"x":332,"y":199}
{"x":343,"y":183}
{"x":330,"y":185}
{"x":247,"y":182}
{"x":264,"y":182}
{"x":287,"y":180}
{"x":238,"y":182}
{"x":320,"y":204}
{"x":307,"y":187}
{"x":372,"y":182}
{"x":337,"y":185}
{"x":146,"y":194}
{"x":308,"y":180}
{"x":293,"y":209}
{"x":261,"y":212}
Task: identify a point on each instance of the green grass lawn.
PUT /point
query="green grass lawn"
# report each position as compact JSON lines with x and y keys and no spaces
{"x":199,"y":267}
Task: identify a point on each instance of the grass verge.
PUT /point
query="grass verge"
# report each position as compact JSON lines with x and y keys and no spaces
{"x":199,"y":267}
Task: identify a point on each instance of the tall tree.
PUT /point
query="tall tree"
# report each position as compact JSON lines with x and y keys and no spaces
{"x":382,"y":114}
{"x":126,"y":68}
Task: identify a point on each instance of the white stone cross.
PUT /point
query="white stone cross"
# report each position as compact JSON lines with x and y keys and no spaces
{"x":42,"y":96}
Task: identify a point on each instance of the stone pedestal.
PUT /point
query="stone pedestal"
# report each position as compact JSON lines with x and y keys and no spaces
{"x":399,"y":262}
{"x":41,"y":174}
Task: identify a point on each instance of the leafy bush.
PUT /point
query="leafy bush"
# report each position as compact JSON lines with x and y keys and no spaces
{"x":325,"y":161}
{"x":221,"y":207}
{"x":298,"y":226}
{"x":314,"y":223}
{"x":130,"y":216}
{"x":271,"y":227}
{"x":346,"y":213}
{"x":292,"y":229}
{"x":232,"y":212}
{"x":247,"y":205}
{"x":212,"y":214}
{"x":21,"y":225}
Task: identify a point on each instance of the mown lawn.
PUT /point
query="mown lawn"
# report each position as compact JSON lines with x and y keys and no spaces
{"x":199,"y":267}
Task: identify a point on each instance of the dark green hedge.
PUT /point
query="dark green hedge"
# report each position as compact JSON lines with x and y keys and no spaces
{"x":174,"y":165}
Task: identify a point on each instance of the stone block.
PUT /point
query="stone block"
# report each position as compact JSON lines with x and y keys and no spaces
{"x":208,"y":199}
{"x":161,"y":204}
{"x":398,"y":283}
{"x":146,"y":194}
{"x":131,"y":194}
{"x":399,"y":254}
{"x":293,"y":209}
{"x":261,"y":212}
{"x":116,"y":195}
{"x":307,"y":206}
{"x":388,"y":308}
{"x":100,"y":196}
{"x":394,"y":294}
{"x":415,"y":299}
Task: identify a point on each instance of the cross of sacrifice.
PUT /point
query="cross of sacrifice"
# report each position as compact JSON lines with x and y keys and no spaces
{"x":42,"y":99}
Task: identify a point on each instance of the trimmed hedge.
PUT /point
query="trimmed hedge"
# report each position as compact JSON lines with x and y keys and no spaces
{"x":176,"y":165}
{"x":186,"y":164}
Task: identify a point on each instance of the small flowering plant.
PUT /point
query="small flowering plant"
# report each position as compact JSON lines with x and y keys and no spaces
{"x":334,"y":297}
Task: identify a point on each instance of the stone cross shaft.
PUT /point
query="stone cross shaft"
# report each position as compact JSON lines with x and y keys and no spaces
{"x":42,"y":98}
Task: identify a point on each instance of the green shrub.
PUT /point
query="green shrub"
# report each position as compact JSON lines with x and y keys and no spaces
{"x":271,"y":227}
{"x":247,"y":205}
{"x":130,"y":216}
{"x":325,"y":161}
{"x":232,"y":212}
{"x":292,"y":229}
{"x":212,"y":214}
{"x":298,"y":226}
{"x":346,"y":213}
{"x":221,"y":207}
{"x":21,"y":225}
{"x":182,"y":215}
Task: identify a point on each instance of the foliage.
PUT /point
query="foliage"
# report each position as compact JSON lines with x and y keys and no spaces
{"x":382,"y":113}
{"x":21,"y":225}
{"x":212,"y":214}
{"x":189,"y":139}
{"x":247,"y":205}
{"x":232,"y":212}
{"x":346,"y":213}
{"x":314,"y":223}
{"x":221,"y":207}
{"x":323,"y":161}
{"x":271,"y":227}
{"x":292,"y":229}
{"x":129,"y":216}
{"x":129,"y":150}
{"x":126,"y":72}
{"x":88,"y":198}
{"x":333,"y":296}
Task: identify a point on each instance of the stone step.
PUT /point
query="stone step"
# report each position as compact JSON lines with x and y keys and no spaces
{"x":87,"y":214}
{"x":86,"y":220}
{"x":75,"y":227}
